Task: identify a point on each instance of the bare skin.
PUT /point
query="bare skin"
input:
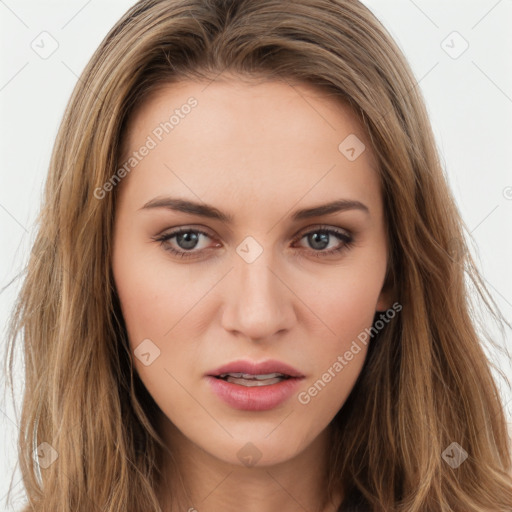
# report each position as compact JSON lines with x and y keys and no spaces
{"x":258,"y":153}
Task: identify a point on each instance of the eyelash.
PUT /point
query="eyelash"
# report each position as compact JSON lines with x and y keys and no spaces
{"x":347,"y":239}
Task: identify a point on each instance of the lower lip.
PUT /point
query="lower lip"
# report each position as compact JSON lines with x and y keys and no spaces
{"x":256,"y":398}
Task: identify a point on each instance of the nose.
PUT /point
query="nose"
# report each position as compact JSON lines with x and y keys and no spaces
{"x":258,"y":303}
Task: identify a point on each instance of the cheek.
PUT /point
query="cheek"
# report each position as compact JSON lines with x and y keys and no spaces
{"x":153,"y":296}
{"x":344,"y":308}
{"x":154,"y":307}
{"x":343,"y":303}
{"x":337,"y":355}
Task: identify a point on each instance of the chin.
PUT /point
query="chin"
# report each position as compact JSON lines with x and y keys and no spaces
{"x":254,"y":452}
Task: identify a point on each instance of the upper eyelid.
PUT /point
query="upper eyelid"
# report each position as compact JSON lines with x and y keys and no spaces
{"x":299,"y":234}
{"x":322,"y":227}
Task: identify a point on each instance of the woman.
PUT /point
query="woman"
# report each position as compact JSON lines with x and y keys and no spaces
{"x":259,"y":371}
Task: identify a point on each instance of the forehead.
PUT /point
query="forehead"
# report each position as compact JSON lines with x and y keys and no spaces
{"x":240,"y":141}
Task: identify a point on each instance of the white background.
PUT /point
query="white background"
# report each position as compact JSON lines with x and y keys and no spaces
{"x":469,"y":100}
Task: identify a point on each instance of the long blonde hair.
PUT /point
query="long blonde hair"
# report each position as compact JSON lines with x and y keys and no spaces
{"x":426,"y":382}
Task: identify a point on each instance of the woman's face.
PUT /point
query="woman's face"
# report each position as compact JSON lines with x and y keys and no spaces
{"x":252,"y":280}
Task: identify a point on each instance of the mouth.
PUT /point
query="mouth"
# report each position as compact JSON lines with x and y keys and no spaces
{"x":249,"y":380}
{"x":250,"y":373}
{"x":251,"y":386}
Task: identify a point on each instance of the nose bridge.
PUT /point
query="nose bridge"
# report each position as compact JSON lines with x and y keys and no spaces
{"x":258,"y":305}
{"x":258,"y":282}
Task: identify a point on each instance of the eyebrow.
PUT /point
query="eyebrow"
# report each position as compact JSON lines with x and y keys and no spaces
{"x":210,"y":212}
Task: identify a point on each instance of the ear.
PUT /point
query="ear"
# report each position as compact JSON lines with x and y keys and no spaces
{"x":385,"y":300}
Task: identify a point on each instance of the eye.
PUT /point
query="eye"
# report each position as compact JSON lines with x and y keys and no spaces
{"x":320,"y":238}
{"x":187,"y":240}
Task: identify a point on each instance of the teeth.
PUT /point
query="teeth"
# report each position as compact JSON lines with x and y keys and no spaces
{"x":250,"y":376}
{"x":249,"y":380}
{"x":254,"y":382}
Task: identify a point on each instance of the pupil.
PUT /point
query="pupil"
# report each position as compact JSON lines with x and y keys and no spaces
{"x":324,"y":240}
{"x":190,"y":239}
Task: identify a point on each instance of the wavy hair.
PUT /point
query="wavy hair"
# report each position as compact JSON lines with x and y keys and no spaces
{"x":426,"y":381}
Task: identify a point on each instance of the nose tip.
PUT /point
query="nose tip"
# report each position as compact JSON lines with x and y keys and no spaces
{"x":258,"y":305}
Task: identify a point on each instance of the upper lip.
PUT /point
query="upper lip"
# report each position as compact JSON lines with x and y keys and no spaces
{"x":254,"y":368}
